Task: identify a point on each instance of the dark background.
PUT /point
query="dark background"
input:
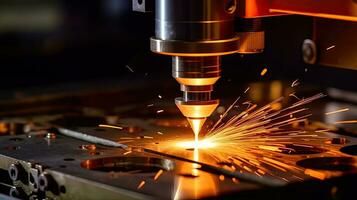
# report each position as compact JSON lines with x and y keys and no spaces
{"x":49,"y":42}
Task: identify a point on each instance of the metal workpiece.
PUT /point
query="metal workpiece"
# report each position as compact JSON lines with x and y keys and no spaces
{"x":69,"y":171}
{"x":88,"y":161}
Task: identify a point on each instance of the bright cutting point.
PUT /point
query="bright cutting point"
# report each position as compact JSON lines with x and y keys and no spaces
{"x":196,"y":112}
{"x":202,"y":144}
{"x":196,"y":125}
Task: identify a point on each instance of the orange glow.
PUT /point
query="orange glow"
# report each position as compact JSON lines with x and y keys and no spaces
{"x":202,"y":144}
{"x":323,"y":15}
{"x":126,"y":153}
{"x":257,"y":8}
{"x":270,"y":148}
{"x":346,"y":122}
{"x":197,"y":54}
{"x":221,"y":178}
{"x":197,"y":81}
{"x":264,"y":71}
{"x":110,"y":126}
{"x":337,"y":111}
{"x":196,"y":125}
{"x":3,"y":128}
{"x":315,"y":174}
{"x":142,"y":183}
{"x":235,"y":180}
{"x":196,"y":111}
{"x":158,"y":174}
{"x":276,"y":106}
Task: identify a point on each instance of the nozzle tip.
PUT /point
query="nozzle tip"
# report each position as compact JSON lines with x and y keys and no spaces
{"x":196,"y":124}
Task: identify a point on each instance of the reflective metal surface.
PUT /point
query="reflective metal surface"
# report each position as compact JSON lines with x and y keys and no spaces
{"x":130,"y":151}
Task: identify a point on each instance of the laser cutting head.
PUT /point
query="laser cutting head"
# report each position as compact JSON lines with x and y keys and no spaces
{"x":196,"y":34}
{"x":196,"y":76}
{"x":195,"y":40}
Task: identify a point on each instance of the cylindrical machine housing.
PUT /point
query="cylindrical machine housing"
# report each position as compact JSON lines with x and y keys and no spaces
{"x":194,"y":20}
{"x":195,"y":27}
{"x":196,"y":76}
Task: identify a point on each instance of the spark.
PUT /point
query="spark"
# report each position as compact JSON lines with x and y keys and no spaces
{"x":158,"y":174}
{"x":337,"y":111}
{"x":201,"y":144}
{"x":221,"y":177}
{"x":159,"y":111}
{"x":246,"y":90}
{"x":160,"y":133}
{"x":293,"y":95}
{"x":127,"y":138}
{"x":247,"y":103}
{"x":160,"y":97}
{"x":346,"y":122}
{"x":110,"y":126}
{"x":150,"y":105}
{"x":148,"y":137}
{"x":263,"y":72}
{"x":126,"y":153}
{"x":322,"y":131}
{"x":330,"y":47}
{"x":130,"y":69}
{"x":315,"y":174}
{"x":234,"y":180}
{"x":252,"y":141}
{"x":125,"y":141}
{"x":295,"y":83}
{"x":142,"y":183}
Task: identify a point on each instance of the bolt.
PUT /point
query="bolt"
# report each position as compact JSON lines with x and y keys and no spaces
{"x":309,"y":52}
{"x":47,"y":183}
{"x":17,"y":172}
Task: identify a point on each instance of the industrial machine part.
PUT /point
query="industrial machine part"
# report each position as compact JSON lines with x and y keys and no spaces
{"x":196,"y":34}
{"x":85,"y":161}
{"x":80,"y":161}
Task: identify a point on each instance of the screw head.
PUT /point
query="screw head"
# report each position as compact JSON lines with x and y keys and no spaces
{"x":309,"y":52}
{"x":13,"y":172}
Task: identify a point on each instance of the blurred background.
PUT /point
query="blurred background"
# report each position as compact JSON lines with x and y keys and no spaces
{"x":52,"y":42}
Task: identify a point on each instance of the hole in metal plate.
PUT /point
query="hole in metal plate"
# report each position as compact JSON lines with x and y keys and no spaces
{"x":329,"y":163}
{"x":351,"y":150}
{"x":295,"y":149}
